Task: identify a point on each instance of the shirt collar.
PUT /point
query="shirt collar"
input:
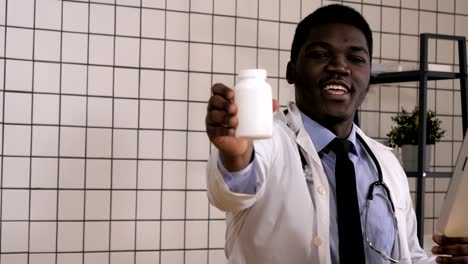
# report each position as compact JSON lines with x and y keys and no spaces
{"x":321,"y":136}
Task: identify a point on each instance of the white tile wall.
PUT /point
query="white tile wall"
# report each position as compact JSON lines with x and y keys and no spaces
{"x":102,"y":136}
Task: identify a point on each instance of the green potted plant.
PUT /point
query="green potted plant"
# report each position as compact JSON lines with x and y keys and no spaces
{"x":405,"y":135}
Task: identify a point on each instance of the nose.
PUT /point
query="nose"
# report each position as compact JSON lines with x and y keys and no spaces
{"x":338,"y":65}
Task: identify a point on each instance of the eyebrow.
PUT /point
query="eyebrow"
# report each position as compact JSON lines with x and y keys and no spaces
{"x":358,"y":49}
{"x":325,"y":45}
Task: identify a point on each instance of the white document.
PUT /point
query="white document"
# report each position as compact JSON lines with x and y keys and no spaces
{"x":453,"y":219}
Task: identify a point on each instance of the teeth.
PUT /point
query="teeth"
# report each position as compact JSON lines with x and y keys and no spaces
{"x":335,"y":87}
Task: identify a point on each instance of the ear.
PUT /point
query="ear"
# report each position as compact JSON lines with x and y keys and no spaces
{"x":290,"y":72}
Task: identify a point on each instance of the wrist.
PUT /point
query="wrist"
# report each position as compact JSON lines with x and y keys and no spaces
{"x":234,"y":163}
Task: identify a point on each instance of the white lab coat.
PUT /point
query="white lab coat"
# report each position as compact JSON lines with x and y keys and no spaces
{"x":283,"y":222}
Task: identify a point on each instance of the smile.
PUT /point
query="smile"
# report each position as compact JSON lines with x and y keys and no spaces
{"x":335,"y":89}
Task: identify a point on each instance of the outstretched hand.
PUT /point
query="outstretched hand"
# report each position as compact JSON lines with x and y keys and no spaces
{"x":221,"y":125}
{"x":454,"y":249}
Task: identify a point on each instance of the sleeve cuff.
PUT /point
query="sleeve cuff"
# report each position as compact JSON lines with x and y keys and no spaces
{"x":243,"y":181}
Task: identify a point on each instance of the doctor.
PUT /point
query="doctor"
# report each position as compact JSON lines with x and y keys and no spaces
{"x":320,"y":190}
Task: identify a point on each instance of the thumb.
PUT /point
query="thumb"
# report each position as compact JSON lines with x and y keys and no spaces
{"x":276,"y":105}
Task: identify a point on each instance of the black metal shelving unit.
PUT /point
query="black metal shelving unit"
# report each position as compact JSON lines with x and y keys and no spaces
{"x":423,"y":75}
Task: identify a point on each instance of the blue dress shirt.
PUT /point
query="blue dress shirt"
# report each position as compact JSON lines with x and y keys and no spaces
{"x":381,"y":231}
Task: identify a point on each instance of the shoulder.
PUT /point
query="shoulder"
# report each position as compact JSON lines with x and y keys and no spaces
{"x":379,"y":145}
{"x":384,"y":152}
{"x":393,"y":173}
{"x":374,"y":144}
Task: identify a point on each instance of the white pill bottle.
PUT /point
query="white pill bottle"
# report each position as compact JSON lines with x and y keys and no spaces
{"x":254,"y":103}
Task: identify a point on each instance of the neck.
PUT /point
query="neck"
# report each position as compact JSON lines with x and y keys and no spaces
{"x":341,"y":128}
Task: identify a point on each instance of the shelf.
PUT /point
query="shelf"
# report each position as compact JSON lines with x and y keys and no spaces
{"x":421,"y":77}
{"x":412,"y":174}
{"x":411,"y":76}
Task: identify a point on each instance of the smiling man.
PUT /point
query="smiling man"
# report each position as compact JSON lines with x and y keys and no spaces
{"x":326,"y":91}
{"x":320,"y":190}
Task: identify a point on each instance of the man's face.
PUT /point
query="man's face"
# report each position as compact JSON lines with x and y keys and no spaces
{"x":331,"y":74}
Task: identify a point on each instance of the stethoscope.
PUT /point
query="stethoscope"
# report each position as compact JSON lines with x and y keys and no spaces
{"x":379,"y":182}
{"x":369,"y":196}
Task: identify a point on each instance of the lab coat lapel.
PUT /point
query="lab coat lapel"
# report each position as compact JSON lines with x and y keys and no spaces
{"x":320,"y":189}
{"x":295,"y":123}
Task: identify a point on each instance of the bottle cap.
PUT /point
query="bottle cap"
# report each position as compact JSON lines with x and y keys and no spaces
{"x":253,"y":73}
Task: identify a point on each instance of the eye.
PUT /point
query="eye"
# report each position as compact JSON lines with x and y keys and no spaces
{"x":317,"y":55}
{"x":356,"y":59}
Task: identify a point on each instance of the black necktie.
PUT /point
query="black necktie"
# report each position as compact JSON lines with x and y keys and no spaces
{"x":351,"y":247}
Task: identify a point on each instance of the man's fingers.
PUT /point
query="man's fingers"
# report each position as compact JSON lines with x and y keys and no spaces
{"x":216,"y":118}
{"x":217,"y":102}
{"x":220,"y":118}
{"x":452,"y":260}
{"x":213,"y":131}
{"x":222,"y":90}
{"x":444,"y":240}
{"x":453,"y":250}
{"x":220,"y":103}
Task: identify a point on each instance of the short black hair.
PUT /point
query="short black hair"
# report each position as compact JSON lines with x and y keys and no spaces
{"x":329,"y":14}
